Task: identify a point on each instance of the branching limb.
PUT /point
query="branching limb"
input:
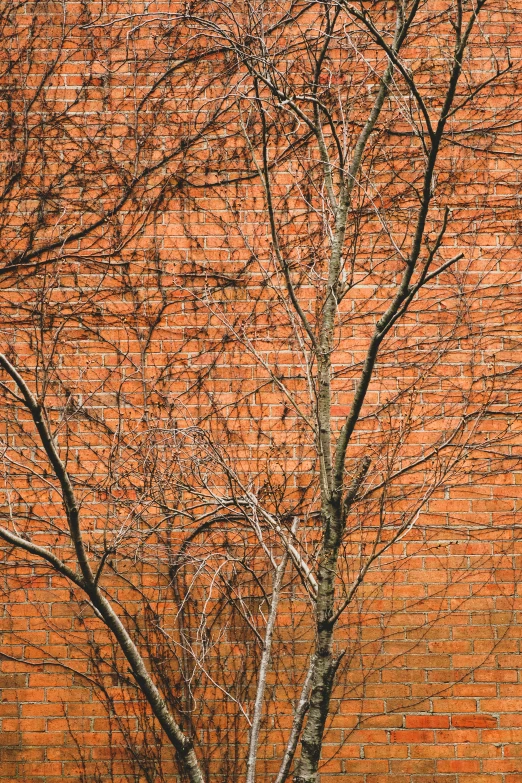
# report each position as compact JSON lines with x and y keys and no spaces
{"x":47,"y":440}
{"x":263,"y":670}
{"x":42,"y":552}
{"x":297,"y":725}
{"x":183,"y":746}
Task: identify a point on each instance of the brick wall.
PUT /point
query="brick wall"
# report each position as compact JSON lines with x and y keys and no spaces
{"x":142,"y":301}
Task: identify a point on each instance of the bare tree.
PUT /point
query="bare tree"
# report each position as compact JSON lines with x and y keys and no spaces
{"x":256,"y":334}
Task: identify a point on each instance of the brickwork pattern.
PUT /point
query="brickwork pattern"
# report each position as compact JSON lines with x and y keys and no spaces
{"x":141,"y":300}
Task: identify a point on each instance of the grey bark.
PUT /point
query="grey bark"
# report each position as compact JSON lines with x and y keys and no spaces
{"x":326,"y":663}
{"x":334,"y":508}
{"x":89,"y":584}
{"x":263,"y":670}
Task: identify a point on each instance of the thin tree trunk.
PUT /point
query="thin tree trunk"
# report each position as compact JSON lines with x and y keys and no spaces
{"x":325,"y":666}
{"x":326,"y":663}
{"x":297,"y":725}
{"x":263,"y":670}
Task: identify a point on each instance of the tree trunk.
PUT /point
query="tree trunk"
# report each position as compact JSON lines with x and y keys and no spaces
{"x":325,"y":663}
